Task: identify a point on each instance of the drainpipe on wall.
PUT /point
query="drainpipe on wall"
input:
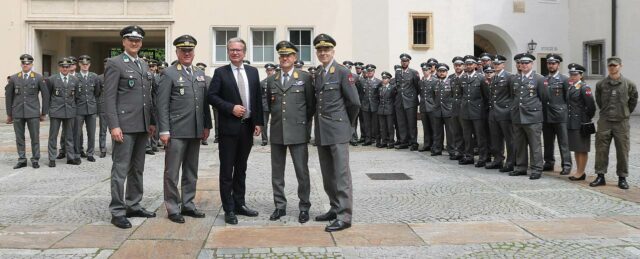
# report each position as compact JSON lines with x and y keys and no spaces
{"x":614,"y":14}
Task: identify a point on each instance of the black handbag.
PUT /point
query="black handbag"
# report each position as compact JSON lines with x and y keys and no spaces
{"x":587,"y":129}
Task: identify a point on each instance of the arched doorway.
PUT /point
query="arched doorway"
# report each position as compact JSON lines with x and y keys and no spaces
{"x":494,"y":40}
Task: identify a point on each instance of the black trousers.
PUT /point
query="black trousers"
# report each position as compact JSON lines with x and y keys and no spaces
{"x":233,"y":153}
{"x":427,"y":128}
{"x":477,"y":128}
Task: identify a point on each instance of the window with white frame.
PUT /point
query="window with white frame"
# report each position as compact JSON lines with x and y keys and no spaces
{"x":263,"y":45}
{"x":594,"y":58}
{"x":302,"y":38}
{"x":220,"y":37}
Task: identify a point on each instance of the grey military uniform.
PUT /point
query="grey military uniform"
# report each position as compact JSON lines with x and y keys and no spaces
{"x":500,"y":128}
{"x":582,"y":108}
{"x":426,"y":110}
{"x":406,"y":105}
{"x":183,"y":113}
{"x":128,"y":107}
{"x":456,"y":145}
{"x":62,"y":111}
{"x":102,"y":131}
{"x":369,"y":103}
{"x":265,"y":110}
{"x":555,"y":120}
{"x":337,"y":106}
{"x":528,"y":93}
{"x":89,"y":89}
{"x":386,"y":112}
{"x":473,"y":112}
{"x":23,"y":105}
{"x":154,"y":140}
{"x":291,"y":107}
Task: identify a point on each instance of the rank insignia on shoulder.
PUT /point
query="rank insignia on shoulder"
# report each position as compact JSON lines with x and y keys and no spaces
{"x":126,"y":59}
{"x":179,"y":67}
{"x":351,"y":80}
{"x":333,"y":70}
{"x":295,"y":74}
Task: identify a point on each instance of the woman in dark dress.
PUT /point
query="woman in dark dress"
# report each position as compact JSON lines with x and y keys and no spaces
{"x":581,"y":110}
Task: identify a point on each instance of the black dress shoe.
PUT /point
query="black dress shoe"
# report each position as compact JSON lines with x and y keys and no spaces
{"x":215,"y":140}
{"x":366,"y":143}
{"x":204,"y":143}
{"x":103,"y":154}
{"x":598,"y":181}
{"x":378,"y":145}
{"x":20,"y":165}
{"x":155,"y":148}
{"x":245,"y":211}
{"x":141,"y":213}
{"x":402,"y":146}
{"x":35,"y":165}
{"x":121,"y":222}
{"x":353,"y":143}
{"x":436,"y":153}
{"x":263,"y":144}
{"x":390,"y":146}
{"x":337,"y":225}
{"x":622,"y":183}
{"x":277,"y":214}
{"x":518,"y":173}
{"x":74,"y":162}
{"x":150,"y":152}
{"x":424,"y":149}
{"x":52,"y":163}
{"x":193,"y":213}
{"x":414,"y":147}
{"x":361,"y":140}
{"x":506,"y":169}
{"x":535,"y":176}
{"x":326,"y":217}
{"x":61,"y":156}
{"x":565,"y":171}
{"x":230,"y":218}
{"x":465,"y":161}
{"x":547,"y":167}
{"x":83,"y":154}
{"x":480,"y":164}
{"x":91,"y":159}
{"x":303,"y":217}
{"x":177,"y":218}
{"x":581,"y":178}
{"x":494,"y":165}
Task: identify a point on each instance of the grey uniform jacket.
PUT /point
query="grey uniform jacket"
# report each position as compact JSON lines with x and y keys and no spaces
{"x":473,"y":102}
{"x":128,"y":100}
{"x":291,"y":106}
{"x":426,"y":94}
{"x":443,"y":98}
{"x":88,"y":90}
{"x":265,"y":101}
{"x":499,"y":95}
{"x":407,"y":86}
{"x":100,"y":99}
{"x":21,"y":96}
{"x":582,"y":105}
{"x":386,"y":98}
{"x":337,"y":105}
{"x":62,"y":102}
{"x":555,"y":108}
{"x":369,"y":101}
{"x":528,"y":96}
{"x":182,"y":109}
{"x":455,"y":82}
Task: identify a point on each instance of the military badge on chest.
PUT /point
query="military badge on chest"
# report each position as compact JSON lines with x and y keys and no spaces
{"x":181,"y":86}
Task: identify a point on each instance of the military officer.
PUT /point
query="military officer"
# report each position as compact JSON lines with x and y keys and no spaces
{"x":62,"y":152}
{"x":184,"y":120}
{"x":529,"y":94}
{"x":617,"y":97}
{"x":485,"y":59}
{"x":270,"y":70}
{"x":455,"y":145}
{"x":207,"y":78}
{"x":102,"y":134}
{"x":500,"y":128}
{"x":407,"y":109}
{"x":442,"y":112}
{"x":360,"y":73}
{"x":290,"y":97}
{"x":386,"y":92}
{"x":555,"y":116}
{"x":128,"y":84}
{"x":582,"y":108}
{"x":473,"y":113}
{"x":426,"y":101}
{"x":369,"y":105}
{"x":154,"y":140}
{"x":312,"y":73}
{"x":336,"y":110}
{"x":23,"y":107}
{"x":348,"y":64}
{"x":298,"y":64}
{"x":86,"y":107}
{"x":62,"y":111}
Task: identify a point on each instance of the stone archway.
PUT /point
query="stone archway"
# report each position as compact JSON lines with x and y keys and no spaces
{"x":492,"y":39}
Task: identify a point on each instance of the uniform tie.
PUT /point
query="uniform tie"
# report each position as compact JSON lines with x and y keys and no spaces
{"x":64,"y":79}
{"x":26,"y":76}
{"x":138,"y":63}
{"x":285,"y":79}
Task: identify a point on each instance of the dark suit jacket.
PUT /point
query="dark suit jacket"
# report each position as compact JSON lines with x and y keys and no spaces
{"x":224,"y":94}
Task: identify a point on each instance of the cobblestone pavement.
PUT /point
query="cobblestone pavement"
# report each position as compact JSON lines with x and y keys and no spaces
{"x":444,"y":211}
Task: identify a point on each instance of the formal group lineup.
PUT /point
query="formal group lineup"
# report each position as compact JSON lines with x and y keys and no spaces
{"x":473,"y":109}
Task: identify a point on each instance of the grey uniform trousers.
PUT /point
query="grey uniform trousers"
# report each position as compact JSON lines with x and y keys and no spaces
{"x":336,"y":178}
{"x":33,"y":124}
{"x":67,"y":130}
{"x":528,"y":135}
{"x":300,"y":158}
{"x":102,"y":139}
{"x":386,"y":129}
{"x":502,"y":134}
{"x":181,"y":153}
{"x":90,"y":121}
{"x":370,"y":123}
{"x":475,"y":128}
{"x":549,"y":133}
{"x":408,"y":125}
{"x":427,"y":128}
{"x":265,"y":128}
{"x":128,"y":165}
{"x":456,"y":145}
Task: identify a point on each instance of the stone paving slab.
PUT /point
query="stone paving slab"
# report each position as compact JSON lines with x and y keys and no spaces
{"x":470,"y":232}
{"x":157,"y":249}
{"x":161,"y":227}
{"x":208,"y":184}
{"x":29,"y":237}
{"x":252,"y":237}
{"x":578,"y":228}
{"x":377,"y":235}
{"x":104,"y":237}
{"x":208,"y":200}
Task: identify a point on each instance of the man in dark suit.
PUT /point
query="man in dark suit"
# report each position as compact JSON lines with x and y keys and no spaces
{"x":235,"y":93}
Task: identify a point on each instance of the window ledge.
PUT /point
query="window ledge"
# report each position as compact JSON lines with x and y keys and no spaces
{"x":421,"y":46}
